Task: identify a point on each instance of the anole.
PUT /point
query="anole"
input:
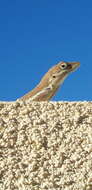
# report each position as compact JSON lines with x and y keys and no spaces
{"x":51,"y":81}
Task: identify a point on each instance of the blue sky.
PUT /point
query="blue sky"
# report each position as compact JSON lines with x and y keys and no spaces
{"x":37,"y":34}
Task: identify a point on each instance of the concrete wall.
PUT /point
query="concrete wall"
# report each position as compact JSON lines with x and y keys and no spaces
{"x":45,"y":145}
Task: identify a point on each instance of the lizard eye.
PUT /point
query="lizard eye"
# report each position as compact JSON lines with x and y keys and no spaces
{"x":63,"y":65}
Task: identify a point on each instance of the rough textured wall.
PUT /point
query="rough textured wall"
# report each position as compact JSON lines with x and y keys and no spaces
{"x":46,"y":146}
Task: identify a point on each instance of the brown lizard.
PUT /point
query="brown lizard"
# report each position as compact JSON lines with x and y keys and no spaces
{"x":51,"y":81}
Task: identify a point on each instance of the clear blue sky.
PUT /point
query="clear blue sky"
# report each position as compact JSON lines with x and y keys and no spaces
{"x":37,"y":34}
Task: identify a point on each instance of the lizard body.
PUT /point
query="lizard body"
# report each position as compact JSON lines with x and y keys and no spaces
{"x":51,"y":81}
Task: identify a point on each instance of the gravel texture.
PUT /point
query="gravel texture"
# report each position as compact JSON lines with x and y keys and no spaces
{"x":45,"y":145}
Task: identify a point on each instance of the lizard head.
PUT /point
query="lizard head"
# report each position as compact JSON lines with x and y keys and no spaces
{"x":67,"y":67}
{"x":64,"y":68}
{"x":56,"y":75}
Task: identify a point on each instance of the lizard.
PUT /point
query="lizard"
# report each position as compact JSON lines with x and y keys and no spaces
{"x":51,"y":81}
